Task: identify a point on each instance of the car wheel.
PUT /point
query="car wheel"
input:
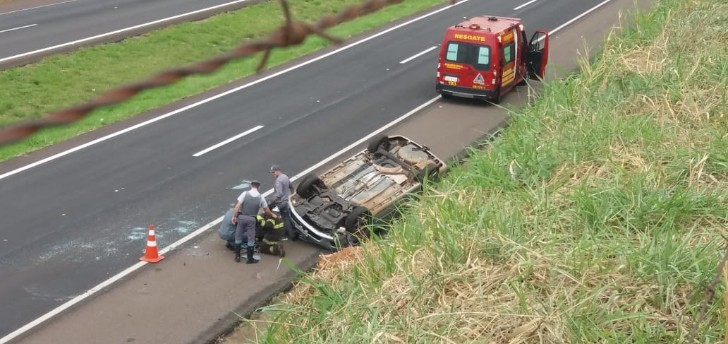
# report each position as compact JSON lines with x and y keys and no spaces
{"x":357,"y":221}
{"x":304,"y":187}
{"x":431,"y":173}
{"x":380,"y":141}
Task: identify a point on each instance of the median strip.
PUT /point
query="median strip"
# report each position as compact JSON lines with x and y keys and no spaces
{"x":64,"y":80}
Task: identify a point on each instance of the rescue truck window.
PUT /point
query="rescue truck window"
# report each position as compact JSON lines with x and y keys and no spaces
{"x":477,"y":56}
{"x":452,"y":52}
{"x":508,"y":53}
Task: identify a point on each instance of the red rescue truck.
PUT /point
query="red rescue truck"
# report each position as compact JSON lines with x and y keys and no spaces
{"x":486,"y":57}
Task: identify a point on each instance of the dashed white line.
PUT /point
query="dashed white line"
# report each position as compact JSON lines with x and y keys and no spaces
{"x":524,"y":5}
{"x":220,"y":95}
{"x":228,"y":141}
{"x":32,"y":8}
{"x":216,"y":222}
{"x":117,"y":31}
{"x":418,"y":55}
{"x":18,"y":28}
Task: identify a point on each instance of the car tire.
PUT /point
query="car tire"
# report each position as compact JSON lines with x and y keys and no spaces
{"x":379,"y":141}
{"x":431,"y":173}
{"x":352,"y":224}
{"x":304,"y":187}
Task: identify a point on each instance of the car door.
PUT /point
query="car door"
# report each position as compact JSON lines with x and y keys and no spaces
{"x":538,"y":55}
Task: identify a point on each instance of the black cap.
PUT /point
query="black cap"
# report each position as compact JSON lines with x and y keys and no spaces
{"x":274,"y":168}
{"x":255,"y":183}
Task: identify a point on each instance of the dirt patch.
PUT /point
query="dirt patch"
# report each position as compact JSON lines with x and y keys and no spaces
{"x":344,"y":256}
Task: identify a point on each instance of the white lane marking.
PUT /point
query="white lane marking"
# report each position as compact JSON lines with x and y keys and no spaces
{"x":18,"y":28}
{"x":206,"y":227}
{"x":117,"y":31}
{"x":192,"y":235}
{"x":228,"y":141}
{"x":32,"y":8}
{"x":524,"y":5}
{"x":123,"y":131}
{"x":418,"y":55}
{"x":578,"y":17}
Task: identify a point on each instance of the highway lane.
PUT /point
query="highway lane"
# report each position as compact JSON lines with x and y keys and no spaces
{"x":76,"y":220}
{"x":26,"y":31}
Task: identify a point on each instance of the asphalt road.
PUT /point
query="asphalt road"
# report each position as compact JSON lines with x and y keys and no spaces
{"x":23,"y":31}
{"x":72,"y":222}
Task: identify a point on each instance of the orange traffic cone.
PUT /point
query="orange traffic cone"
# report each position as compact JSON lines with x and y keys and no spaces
{"x":151,"y":255}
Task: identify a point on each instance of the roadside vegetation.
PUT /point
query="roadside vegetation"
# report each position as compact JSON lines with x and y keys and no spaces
{"x":63,"y":80}
{"x":596,"y":217}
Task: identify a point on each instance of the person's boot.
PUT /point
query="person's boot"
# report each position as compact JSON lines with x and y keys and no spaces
{"x":281,"y":253}
{"x":251,"y":260}
{"x":230,"y":246}
{"x":238,"y":247}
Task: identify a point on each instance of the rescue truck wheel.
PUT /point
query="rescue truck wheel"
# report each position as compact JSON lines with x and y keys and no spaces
{"x":304,"y":187}
{"x":379,"y":141}
{"x":497,"y":98}
{"x":357,"y":221}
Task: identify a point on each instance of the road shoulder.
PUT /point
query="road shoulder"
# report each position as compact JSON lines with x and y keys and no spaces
{"x":195,"y":293}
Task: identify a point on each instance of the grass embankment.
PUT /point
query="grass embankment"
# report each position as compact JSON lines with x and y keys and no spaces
{"x":595,"y":218}
{"x":64,"y":80}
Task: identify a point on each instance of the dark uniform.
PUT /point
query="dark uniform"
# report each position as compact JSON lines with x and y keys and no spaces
{"x":269,"y":233}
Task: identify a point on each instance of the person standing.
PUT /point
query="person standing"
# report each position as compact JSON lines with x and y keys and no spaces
{"x":283,"y":190}
{"x":246,"y":212}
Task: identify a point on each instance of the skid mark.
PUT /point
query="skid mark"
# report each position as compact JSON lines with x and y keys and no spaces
{"x":37,"y":293}
{"x":81,"y":251}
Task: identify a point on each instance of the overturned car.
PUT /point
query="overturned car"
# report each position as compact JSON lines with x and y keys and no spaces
{"x":339,"y":207}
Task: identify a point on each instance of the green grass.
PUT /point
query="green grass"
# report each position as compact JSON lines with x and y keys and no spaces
{"x":64,"y":80}
{"x":595,"y":218}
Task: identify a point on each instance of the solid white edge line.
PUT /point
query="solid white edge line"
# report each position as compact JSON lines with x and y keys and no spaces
{"x":192,"y":235}
{"x":104,"y":138}
{"x":203,"y":229}
{"x":579,"y":16}
{"x":228,"y":141}
{"x":118,"y":31}
{"x":32,"y":8}
{"x":18,"y":28}
{"x":418,"y":55}
{"x":524,"y":5}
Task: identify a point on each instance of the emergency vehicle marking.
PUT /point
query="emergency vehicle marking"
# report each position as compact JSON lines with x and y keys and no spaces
{"x":479,"y":79}
{"x":508,"y":37}
{"x":470,"y":37}
{"x":508,"y":76}
{"x":453,"y":66}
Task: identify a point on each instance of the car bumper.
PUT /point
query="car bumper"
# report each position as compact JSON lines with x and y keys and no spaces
{"x":464,"y":92}
{"x":308,"y":233}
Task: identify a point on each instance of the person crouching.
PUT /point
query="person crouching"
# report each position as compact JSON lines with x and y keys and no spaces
{"x":269,"y":233}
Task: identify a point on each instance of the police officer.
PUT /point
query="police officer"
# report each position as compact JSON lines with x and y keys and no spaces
{"x":246,"y":211}
{"x":283,"y":189}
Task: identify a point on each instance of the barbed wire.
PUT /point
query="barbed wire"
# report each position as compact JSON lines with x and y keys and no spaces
{"x":292,"y":33}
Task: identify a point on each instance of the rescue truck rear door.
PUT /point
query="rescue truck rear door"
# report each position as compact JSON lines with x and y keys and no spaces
{"x":538,"y":55}
{"x":509,"y":58}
